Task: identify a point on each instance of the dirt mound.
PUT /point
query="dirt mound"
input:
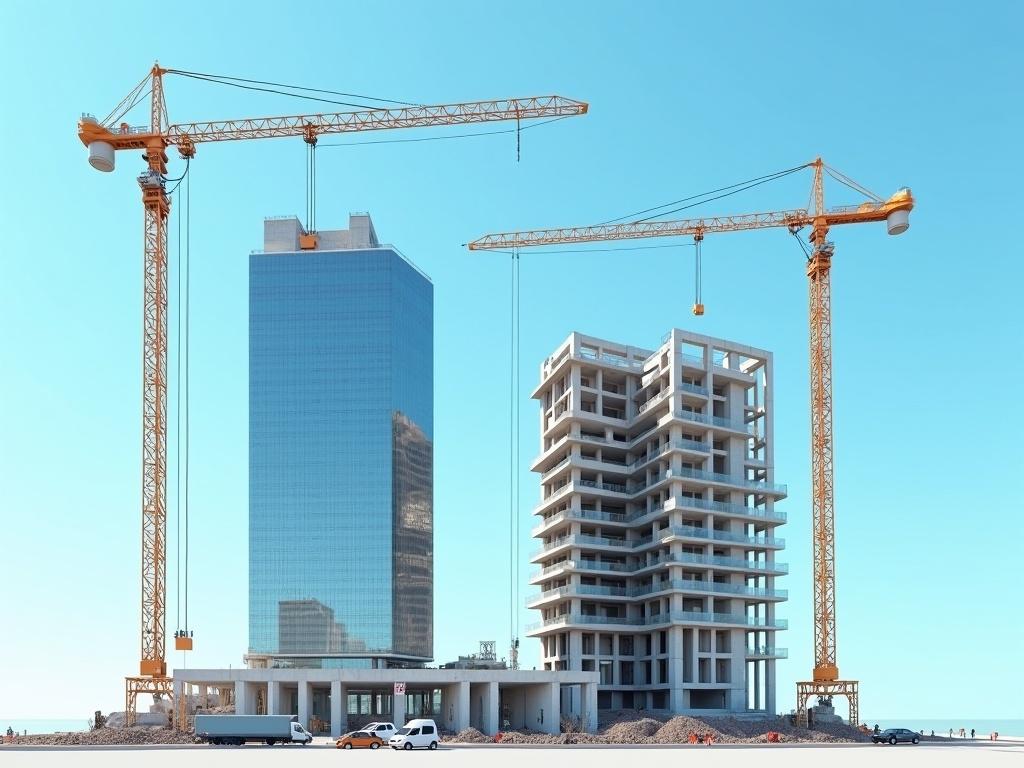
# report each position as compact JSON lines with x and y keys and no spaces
{"x":469,"y":736}
{"x":632,"y":731}
{"x":678,"y":730}
{"x":112,"y":736}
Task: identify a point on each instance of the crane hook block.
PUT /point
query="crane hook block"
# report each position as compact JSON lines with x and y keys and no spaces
{"x":182,"y":643}
{"x":698,"y":309}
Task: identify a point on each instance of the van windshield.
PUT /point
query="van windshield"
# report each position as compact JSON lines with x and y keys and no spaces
{"x":404,"y":731}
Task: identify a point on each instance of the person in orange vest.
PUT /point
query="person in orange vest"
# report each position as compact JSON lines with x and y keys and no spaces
{"x":693,"y":737}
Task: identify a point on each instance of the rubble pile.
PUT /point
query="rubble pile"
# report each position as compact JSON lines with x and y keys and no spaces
{"x":469,"y":736}
{"x":135,"y":735}
{"x":633,"y":731}
{"x":625,"y":727}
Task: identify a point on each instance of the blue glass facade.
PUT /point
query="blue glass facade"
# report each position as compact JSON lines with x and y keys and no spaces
{"x":340,"y":456}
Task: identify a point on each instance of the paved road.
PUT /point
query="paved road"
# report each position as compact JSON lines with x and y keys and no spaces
{"x":720,"y":756}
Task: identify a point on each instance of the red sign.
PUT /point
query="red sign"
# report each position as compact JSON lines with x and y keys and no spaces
{"x":399,"y":689}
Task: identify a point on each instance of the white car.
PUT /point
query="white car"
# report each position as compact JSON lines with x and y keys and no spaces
{"x":417,"y":733}
{"x":384,"y":730}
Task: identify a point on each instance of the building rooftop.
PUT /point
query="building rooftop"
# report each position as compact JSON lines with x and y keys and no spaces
{"x":285,"y":234}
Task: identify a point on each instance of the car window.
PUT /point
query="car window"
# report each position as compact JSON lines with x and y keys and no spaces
{"x":404,"y":732}
{"x":414,"y":731}
{"x":428,"y":729}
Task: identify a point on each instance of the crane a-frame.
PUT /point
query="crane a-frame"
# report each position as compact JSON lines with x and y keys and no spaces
{"x":104,"y":139}
{"x":895,"y":211}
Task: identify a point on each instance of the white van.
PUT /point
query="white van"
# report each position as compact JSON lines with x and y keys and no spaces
{"x":416,"y":733}
{"x":382,"y":729}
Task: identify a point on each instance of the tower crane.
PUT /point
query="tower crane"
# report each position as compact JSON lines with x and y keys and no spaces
{"x":107,"y":137}
{"x":895,"y":211}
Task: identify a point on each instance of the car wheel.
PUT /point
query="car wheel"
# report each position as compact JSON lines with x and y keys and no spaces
{"x":433,"y":745}
{"x":374,"y":745}
{"x":408,"y":745}
{"x":892,"y":740}
{"x":914,"y":740}
{"x":349,"y":745}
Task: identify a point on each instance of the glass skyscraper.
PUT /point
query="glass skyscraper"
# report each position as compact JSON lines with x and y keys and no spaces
{"x":340,"y":450}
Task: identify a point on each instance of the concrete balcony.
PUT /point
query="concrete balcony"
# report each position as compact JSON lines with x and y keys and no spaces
{"x":711,"y":562}
{"x":718,"y":422}
{"x":715,"y":562}
{"x":579,"y":514}
{"x":575,"y":590}
{"x":721,"y":478}
{"x":767,"y":652}
{"x":692,"y":585}
{"x":693,"y":532}
{"x":725,"y":508}
{"x":685,"y":446}
{"x":673,"y":617}
{"x":577,"y":540}
{"x":689,"y":586}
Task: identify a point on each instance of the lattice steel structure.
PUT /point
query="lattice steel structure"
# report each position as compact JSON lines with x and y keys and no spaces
{"x":894,"y":211}
{"x":104,"y":139}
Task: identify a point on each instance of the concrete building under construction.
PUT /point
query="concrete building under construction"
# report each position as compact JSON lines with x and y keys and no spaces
{"x":657,"y":557}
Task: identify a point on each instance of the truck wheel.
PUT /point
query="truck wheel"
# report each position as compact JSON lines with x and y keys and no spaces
{"x":433,"y":745}
{"x":408,"y":745}
{"x":215,"y":742}
{"x":271,"y":742}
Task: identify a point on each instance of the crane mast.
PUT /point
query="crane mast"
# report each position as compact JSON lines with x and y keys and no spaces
{"x":895,"y":212}
{"x":103,"y":140}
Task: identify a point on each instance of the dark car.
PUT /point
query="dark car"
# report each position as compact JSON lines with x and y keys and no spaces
{"x":896,"y":735}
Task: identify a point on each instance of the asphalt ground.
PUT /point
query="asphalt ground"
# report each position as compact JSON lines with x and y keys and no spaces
{"x":323,"y":753}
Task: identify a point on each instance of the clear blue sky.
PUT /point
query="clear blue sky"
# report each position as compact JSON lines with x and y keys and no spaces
{"x":684,"y":98}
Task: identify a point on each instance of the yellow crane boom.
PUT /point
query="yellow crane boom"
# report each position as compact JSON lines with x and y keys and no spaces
{"x":104,"y":139}
{"x":895,"y":212}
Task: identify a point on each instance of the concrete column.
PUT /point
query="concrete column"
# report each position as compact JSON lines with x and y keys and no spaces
{"x":694,"y":659}
{"x":553,"y":709}
{"x":339,"y":709}
{"x":676,"y":660}
{"x":305,"y":703}
{"x":461,"y":703}
{"x":575,"y":650}
{"x":769,"y":687}
{"x":241,"y":698}
{"x":398,"y":710}
{"x":491,"y":717}
{"x":274,"y":698}
{"x":204,"y":696}
{"x":589,"y":707}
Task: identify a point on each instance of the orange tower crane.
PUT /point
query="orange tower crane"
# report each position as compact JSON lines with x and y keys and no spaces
{"x":104,"y":139}
{"x":895,"y":212}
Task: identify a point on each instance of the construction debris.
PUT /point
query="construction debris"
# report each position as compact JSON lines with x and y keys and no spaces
{"x":624,"y":727}
{"x":110,"y":736}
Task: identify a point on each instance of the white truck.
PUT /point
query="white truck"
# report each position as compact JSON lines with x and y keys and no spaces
{"x":238,"y":729}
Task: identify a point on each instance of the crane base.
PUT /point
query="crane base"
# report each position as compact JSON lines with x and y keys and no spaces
{"x":133,"y":686}
{"x":826,"y":689}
